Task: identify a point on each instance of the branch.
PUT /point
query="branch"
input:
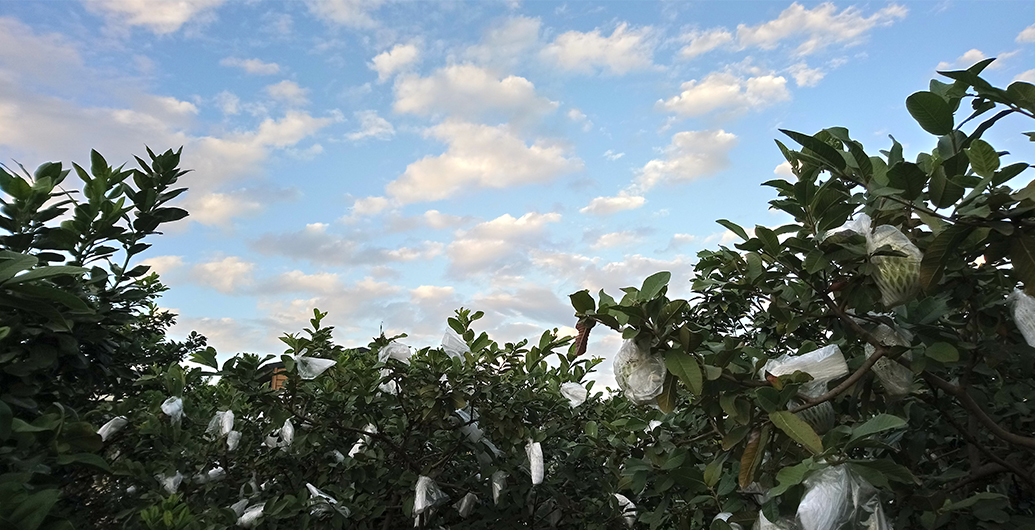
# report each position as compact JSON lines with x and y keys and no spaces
{"x":977,"y":412}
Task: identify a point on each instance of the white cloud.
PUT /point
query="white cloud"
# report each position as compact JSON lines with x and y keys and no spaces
{"x":610,"y":205}
{"x":578,"y":116}
{"x":784,"y":169}
{"x":805,"y":76}
{"x":438,"y":220}
{"x":163,"y":264}
{"x":595,"y":274}
{"x":502,"y":243}
{"x":371,"y":126}
{"x":1027,"y":34}
{"x":219,"y":208}
{"x":690,"y":156}
{"x":531,"y":301}
{"x":503,"y":45}
{"x":821,"y":26}
{"x":1028,"y":77}
{"x":228,"y":102}
{"x":479,"y":156}
{"x":616,"y":239}
{"x":468,"y":91}
{"x":227,"y":275}
{"x":399,"y":59}
{"x":368,"y":206}
{"x":624,"y":51}
{"x":252,"y":66}
{"x":350,"y":13}
{"x":725,"y":90}
{"x":680,"y":240}
{"x":298,"y":281}
{"x":161,"y":16}
{"x":704,"y":42}
{"x":44,"y":58}
{"x":288,"y":92}
{"x":612,"y":156}
{"x":966,"y":60}
{"x":315,"y":244}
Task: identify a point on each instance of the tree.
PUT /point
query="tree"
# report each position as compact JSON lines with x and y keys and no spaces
{"x":933,"y":404}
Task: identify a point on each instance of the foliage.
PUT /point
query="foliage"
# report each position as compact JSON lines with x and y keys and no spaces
{"x":75,"y":334}
{"x":951,"y":453}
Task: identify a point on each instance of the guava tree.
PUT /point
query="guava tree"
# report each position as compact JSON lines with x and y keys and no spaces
{"x":909,"y":268}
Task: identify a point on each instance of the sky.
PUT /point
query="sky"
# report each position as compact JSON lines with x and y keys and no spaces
{"x":391,"y":161}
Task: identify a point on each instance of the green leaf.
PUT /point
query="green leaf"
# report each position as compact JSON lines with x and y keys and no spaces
{"x":943,"y":352}
{"x":982,"y":497}
{"x":582,"y":302}
{"x":735,"y":228}
{"x":983,"y":158}
{"x":713,"y":471}
{"x":6,"y":417}
{"x":1023,"y":94}
{"x":12,"y":263}
{"x":752,"y":456}
{"x":942,"y":191}
{"x":1022,"y":256}
{"x":46,"y":272}
{"x":206,"y":357}
{"x":89,"y":459}
{"x":909,"y":178}
{"x":667,"y":399}
{"x":931,"y":111}
{"x":941,"y":250}
{"x":879,"y":423}
{"x":791,"y":476}
{"x":797,"y":429}
{"x":653,"y":284}
{"x":685,"y":367}
{"x":889,"y":469}
{"x":770,"y":242}
{"x":821,"y":149}
{"x":29,"y":515}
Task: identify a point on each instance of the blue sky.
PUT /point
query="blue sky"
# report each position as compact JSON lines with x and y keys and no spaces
{"x":391,"y":161}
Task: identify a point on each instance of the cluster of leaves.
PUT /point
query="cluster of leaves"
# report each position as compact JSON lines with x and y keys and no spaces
{"x":76,"y":327}
{"x":954,"y":451}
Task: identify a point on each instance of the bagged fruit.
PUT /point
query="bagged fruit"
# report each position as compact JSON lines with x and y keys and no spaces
{"x":640,"y":375}
{"x":896,"y":379}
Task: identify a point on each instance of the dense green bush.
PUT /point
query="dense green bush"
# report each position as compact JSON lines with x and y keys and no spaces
{"x":931,"y":405}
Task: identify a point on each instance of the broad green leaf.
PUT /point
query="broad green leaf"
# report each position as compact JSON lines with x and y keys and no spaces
{"x":942,"y":352}
{"x":797,"y":429}
{"x":685,"y":367}
{"x":653,"y":284}
{"x":791,"y":476}
{"x":889,"y":469}
{"x":909,"y":178}
{"x":582,"y":302}
{"x":1022,"y":93}
{"x":29,"y":515}
{"x":931,"y":111}
{"x":770,"y":242}
{"x":1022,"y":256}
{"x":713,"y":471}
{"x":6,"y":417}
{"x":89,"y":459}
{"x":735,"y":228}
{"x":879,"y":423}
{"x":823,"y":150}
{"x":667,"y":399}
{"x":942,"y":191}
{"x":206,"y":357}
{"x":983,"y":496}
{"x":12,"y":263}
{"x":940,"y":252}
{"x":983,"y":158}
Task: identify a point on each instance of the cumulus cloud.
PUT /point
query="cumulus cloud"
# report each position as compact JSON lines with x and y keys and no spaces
{"x":219,"y":208}
{"x":349,"y":13}
{"x":820,"y":27}
{"x":616,"y":239}
{"x":228,"y":102}
{"x":371,"y":126}
{"x":316,"y":245}
{"x":612,"y":156}
{"x":252,"y":66}
{"x":690,"y":156}
{"x":399,"y":59}
{"x":502,"y":243}
{"x":163,"y":264}
{"x":679,"y":241}
{"x":528,"y":300}
{"x":1027,"y":34}
{"x":805,"y":76}
{"x":506,"y":43}
{"x":288,"y":92}
{"x":728,"y":91}
{"x":701,"y":42}
{"x":468,"y":91}
{"x":480,"y":156}
{"x":227,"y":275}
{"x":624,"y":51}
{"x":610,"y":205}
{"x":1028,"y":77}
{"x":784,"y":169}
{"x":161,"y":17}
{"x":595,"y":273}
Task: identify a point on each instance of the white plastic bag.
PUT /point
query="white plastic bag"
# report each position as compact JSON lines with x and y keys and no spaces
{"x":535,"y":461}
{"x":388,"y":386}
{"x":466,"y":505}
{"x":628,"y":509}
{"x":725,"y":517}
{"x":469,"y":426}
{"x":213,"y":475}
{"x":232,"y":439}
{"x":640,"y":375}
{"x":397,"y":351}
{"x":310,"y":367}
{"x":251,"y":515}
{"x":898,"y":277}
{"x":575,"y":393}
{"x":499,"y":482}
{"x":337,"y":456}
{"x":287,"y":433}
{"x":1024,"y":314}
{"x":173,"y":407}
{"x":221,"y":423}
{"x":427,"y":495}
{"x":834,"y":499}
{"x":321,"y":504}
{"x":113,"y":426}
{"x":824,"y":365}
{"x":170,"y":484}
{"x":896,"y":379}
{"x":363,"y":440}
{"x":453,"y":344}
